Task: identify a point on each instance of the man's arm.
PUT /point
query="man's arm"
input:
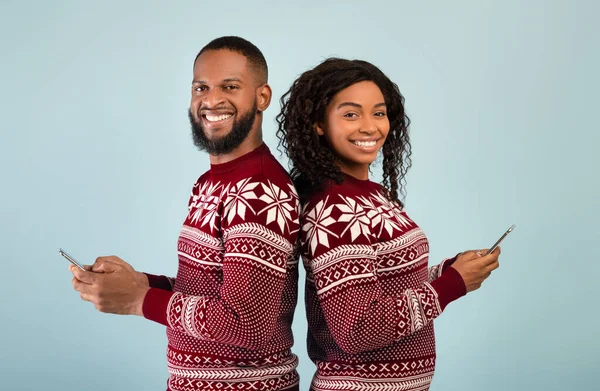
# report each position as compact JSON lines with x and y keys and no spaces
{"x":243,"y":314}
{"x":245,"y":311}
{"x":259,"y":233}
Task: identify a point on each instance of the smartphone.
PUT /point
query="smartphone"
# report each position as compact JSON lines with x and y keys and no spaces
{"x":70,"y":259}
{"x":509,"y":230}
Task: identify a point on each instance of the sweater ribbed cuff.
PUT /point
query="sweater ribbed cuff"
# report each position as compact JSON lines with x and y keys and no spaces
{"x":449,"y":287}
{"x":448,"y":262}
{"x":155,"y":305}
{"x":160,"y":282}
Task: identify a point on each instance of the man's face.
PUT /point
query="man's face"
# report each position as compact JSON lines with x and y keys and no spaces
{"x":224,"y":103}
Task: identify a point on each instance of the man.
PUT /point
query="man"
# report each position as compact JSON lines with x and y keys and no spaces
{"x":229,"y":310}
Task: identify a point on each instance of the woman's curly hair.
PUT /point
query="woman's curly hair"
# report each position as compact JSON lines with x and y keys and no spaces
{"x":313,"y":163}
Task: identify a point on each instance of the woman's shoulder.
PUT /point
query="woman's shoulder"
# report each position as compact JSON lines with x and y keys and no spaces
{"x":348,"y":192}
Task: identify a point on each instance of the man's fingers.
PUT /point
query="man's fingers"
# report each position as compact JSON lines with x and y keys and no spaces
{"x":107,"y":264}
{"x":83,"y":276}
{"x":87,"y":297}
{"x":80,"y":286}
{"x":86,"y":267}
{"x":106,"y":267}
{"x":111,"y":258}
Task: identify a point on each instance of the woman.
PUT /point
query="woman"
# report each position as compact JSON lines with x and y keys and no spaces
{"x":370,"y":297}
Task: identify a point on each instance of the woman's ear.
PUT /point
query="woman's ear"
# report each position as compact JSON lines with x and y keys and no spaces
{"x":318,"y":129}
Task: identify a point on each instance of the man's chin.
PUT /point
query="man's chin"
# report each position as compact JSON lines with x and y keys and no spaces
{"x":216,"y":134}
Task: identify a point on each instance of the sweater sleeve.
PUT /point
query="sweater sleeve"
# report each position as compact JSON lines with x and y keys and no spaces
{"x":341,"y":250}
{"x":160,"y":282}
{"x":260,"y":227}
{"x":437,"y":270}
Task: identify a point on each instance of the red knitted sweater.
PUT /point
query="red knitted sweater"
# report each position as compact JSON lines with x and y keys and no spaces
{"x":229,"y":310}
{"x":371,"y":298}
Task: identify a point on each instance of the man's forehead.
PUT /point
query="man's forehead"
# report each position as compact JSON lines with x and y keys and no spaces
{"x":218,"y":65}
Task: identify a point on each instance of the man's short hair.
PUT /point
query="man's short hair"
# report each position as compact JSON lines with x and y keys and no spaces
{"x":254,"y":56}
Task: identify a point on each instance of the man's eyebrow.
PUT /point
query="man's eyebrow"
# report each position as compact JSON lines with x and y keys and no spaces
{"x":226,"y":80}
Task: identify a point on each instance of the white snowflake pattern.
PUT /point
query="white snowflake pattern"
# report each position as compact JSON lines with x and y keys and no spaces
{"x":237,"y":203}
{"x":389,"y":209}
{"x":356,"y":217}
{"x":379,"y":215}
{"x":279,"y":207}
{"x":204,"y":204}
{"x":315,"y":225}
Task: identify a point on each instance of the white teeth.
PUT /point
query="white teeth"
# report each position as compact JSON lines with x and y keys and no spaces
{"x":214,"y":118}
{"x":365,"y":143}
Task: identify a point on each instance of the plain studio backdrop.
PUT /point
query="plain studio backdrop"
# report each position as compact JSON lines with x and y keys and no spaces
{"x":97,"y":158}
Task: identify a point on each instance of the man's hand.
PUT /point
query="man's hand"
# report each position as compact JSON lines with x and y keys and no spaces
{"x":112,"y":285}
{"x":474,"y":268}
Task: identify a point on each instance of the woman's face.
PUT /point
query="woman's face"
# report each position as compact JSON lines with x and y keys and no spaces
{"x":356,"y":125}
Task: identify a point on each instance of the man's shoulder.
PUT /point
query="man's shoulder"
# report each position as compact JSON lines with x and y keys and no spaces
{"x":202,"y":179}
{"x":271,"y":169}
{"x":265,"y":170}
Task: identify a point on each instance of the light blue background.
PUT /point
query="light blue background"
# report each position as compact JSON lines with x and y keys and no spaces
{"x":96,"y":157}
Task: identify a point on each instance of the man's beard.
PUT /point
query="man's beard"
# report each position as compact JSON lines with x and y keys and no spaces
{"x":223,"y":145}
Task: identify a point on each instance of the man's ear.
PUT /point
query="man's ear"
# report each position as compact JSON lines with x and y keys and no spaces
{"x":263,"y":97}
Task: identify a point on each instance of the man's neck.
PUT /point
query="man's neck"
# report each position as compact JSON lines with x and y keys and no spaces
{"x":251,"y":142}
